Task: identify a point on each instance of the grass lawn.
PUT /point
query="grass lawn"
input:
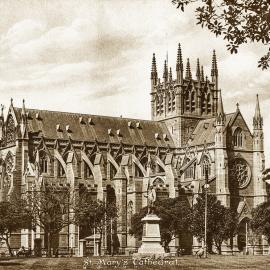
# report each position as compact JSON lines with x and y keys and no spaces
{"x":185,"y":262}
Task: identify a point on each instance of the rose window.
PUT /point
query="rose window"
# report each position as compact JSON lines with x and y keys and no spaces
{"x":240,"y":172}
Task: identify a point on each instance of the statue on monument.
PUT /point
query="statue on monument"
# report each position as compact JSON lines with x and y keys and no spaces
{"x":151,"y":198}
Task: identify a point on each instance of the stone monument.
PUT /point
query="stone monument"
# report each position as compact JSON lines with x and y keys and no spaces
{"x":151,"y":239}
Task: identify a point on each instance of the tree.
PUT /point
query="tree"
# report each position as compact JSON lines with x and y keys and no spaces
{"x":52,"y":210}
{"x":260,"y":222}
{"x":221,"y":221}
{"x":94,"y":214}
{"x":13,"y":216}
{"x":174,"y":219}
{"x":238,"y":21}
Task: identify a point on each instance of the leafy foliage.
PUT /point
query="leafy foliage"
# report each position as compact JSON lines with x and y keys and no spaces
{"x":14,"y":216}
{"x":260,"y":222}
{"x":238,"y":21}
{"x":51,"y":209}
{"x":221,"y":221}
{"x":94,"y":214}
{"x":174,"y":219}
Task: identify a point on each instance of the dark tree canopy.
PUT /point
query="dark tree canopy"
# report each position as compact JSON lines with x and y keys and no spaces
{"x":94,"y":214}
{"x":237,"y":21}
{"x":260,"y":222}
{"x":221,"y":221}
{"x":51,"y":210}
{"x":14,"y":216}
{"x":174,"y":215}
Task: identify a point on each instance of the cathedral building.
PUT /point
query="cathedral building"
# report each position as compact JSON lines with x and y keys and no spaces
{"x":115,"y":157}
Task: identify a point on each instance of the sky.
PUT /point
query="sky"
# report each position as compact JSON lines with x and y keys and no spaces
{"x":94,"y":56}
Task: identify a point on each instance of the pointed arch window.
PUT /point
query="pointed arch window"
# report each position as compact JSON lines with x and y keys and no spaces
{"x":10,"y":130}
{"x":189,"y":172}
{"x":203,"y":103}
{"x":187,"y":101}
{"x":43,"y":162}
{"x":208,"y":104}
{"x":206,"y":165}
{"x":238,"y":137}
{"x":129,"y":212}
{"x":173,"y":101}
{"x":169,"y":102}
{"x":161,"y":104}
{"x":193,"y":102}
{"x":157,"y":105}
{"x":44,"y":165}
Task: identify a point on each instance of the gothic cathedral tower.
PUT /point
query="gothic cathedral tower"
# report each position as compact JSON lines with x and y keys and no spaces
{"x":183,"y":101}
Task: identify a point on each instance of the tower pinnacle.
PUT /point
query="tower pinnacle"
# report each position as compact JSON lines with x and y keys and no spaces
{"x":154,"y":75}
{"x":198,"y":72}
{"x":154,"y":67}
{"x":214,"y":70}
{"x":188,"y":70}
{"x":170,"y":75}
{"x":165,"y":72}
{"x":257,"y":119}
{"x":202,"y":74}
{"x":179,"y":62}
{"x":220,"y":118}
{"x":179,"y":65}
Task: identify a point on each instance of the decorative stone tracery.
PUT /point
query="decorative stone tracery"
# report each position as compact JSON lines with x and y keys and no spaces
{"x":240,"y":172}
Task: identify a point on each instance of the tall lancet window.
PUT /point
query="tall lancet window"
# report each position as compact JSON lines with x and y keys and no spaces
{"x":189,"y":172}
{"x":44,"y":165}
{"x":193,"y":102}
{"x":187,"y":100}
{"x":173,"y":101}
{"x":169,"y":102}
{"x":157,"y":105}
{"x":208,"y":104}
{"x":206,"y":166}
{"x":161,"y":104}
{"x":203,"y":103}
{"x":238,"y":137}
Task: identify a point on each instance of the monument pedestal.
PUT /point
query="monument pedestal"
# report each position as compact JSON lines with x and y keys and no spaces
{"x":151,"y":238}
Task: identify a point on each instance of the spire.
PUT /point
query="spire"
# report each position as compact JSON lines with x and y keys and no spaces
{"x":188,"y":71}
{"x":257,"y":119}
{"x":154,"y":67}
{"x":220,"y":119}
{"x":154,"y":75}
{"x":165,"y":72}
{"x":170,"y":75}
{"x":214,"y":70}
{"x":198,"y":72}
{"x":179,"y":62}
{"x":179,"y":66}
{"x":202,"y":74}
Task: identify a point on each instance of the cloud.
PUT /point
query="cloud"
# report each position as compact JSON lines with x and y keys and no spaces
{"x":95,"y":56}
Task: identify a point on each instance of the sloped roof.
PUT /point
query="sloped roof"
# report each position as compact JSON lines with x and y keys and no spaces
{"x":86,"y":127}
{"x":205,"y":130}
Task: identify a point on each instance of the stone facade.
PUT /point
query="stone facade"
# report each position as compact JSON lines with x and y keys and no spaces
{"x":189,"y":130}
